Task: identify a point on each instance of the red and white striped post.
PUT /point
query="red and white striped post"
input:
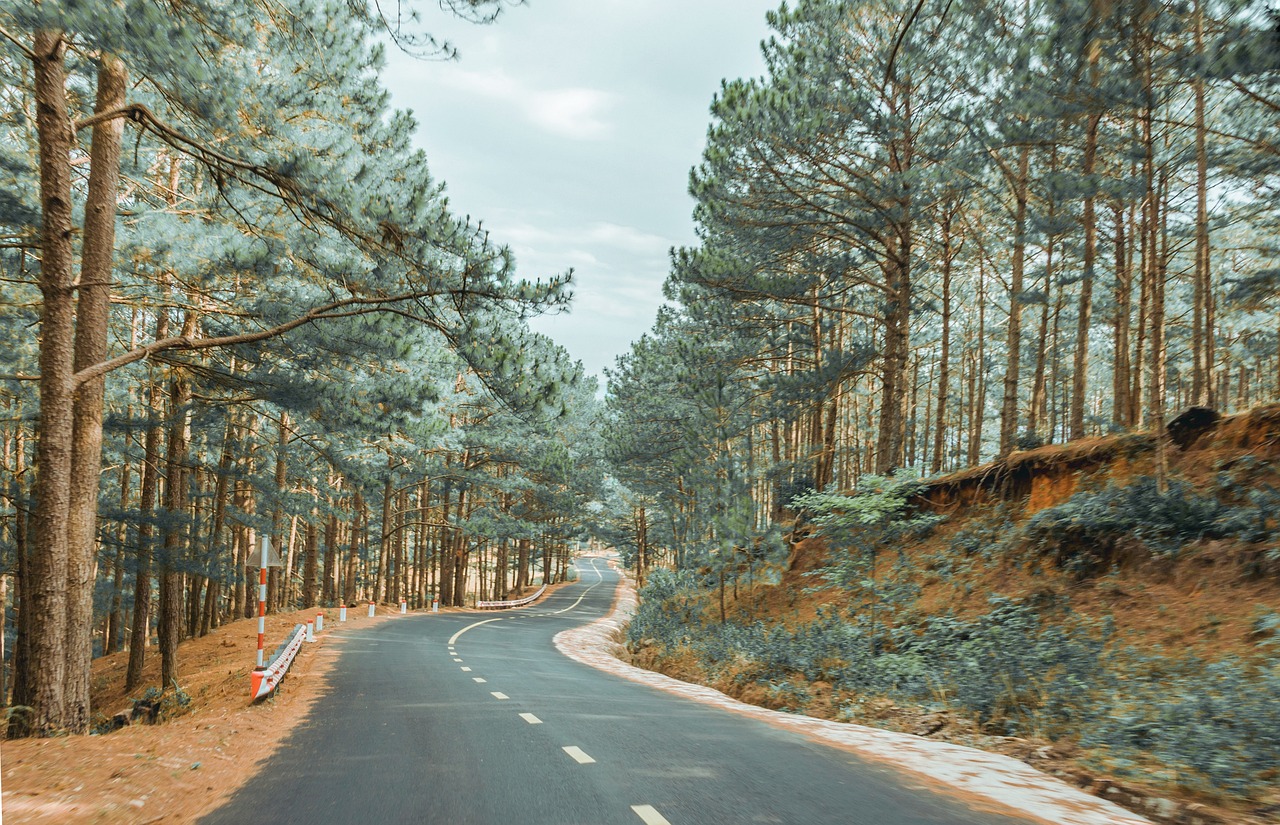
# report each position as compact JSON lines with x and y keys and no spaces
{"x":262,"y":605}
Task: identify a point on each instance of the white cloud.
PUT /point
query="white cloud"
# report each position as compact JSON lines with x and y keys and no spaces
{"x":628,"y":238}
{"x":581,"y":245}
{"x":573,"y":112}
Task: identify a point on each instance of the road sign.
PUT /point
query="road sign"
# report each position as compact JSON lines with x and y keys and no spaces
{"x":269,"y":557}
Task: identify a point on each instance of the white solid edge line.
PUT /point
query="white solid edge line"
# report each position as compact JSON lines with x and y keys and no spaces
{"x":578,"y":754}
{"x":455,"y":636}
{"x":531,"y":719}
{"x":499,"y":695}
{"x":649,"y":815}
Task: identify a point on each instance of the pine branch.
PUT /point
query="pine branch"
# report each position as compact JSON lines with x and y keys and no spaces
{"x":188,"y":343}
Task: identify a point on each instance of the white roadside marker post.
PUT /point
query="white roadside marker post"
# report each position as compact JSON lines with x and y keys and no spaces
{"x":404,"y":606}
{"x":269,"y":558}
{"x":262,"y":604}
{"x":342,"y":613}
{"x":372,"y":608}
{"x":319,"y":622}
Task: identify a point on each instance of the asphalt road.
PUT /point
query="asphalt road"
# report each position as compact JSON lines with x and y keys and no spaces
{"x":434,"y":718}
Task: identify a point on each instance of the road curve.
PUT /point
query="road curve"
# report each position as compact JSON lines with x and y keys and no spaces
{"x":476,"y":718}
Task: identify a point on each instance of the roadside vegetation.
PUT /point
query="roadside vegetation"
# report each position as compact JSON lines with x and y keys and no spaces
{"x":1131,"y":625}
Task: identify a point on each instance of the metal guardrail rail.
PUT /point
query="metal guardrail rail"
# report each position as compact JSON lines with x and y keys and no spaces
{"x":265,"y":679}
{"x":502,"y":605}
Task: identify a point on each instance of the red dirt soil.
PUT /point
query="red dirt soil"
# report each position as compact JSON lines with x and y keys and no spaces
{"x":179,"y":769}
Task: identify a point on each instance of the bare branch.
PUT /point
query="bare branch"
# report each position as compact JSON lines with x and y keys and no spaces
{"x":184,"y":342}
{"x":15,"y":41}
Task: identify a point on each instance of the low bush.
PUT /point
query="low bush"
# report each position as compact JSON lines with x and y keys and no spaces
{"x":1217,"y":724}
{"x":670,"y":611}
{"x":1084,"y":532}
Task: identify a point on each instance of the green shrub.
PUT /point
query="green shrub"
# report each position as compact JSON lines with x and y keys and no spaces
{"x":1084,"y":532}
{"x":988,"y":538}
{"x":1217,"y":724}
{"x":670,"y":612}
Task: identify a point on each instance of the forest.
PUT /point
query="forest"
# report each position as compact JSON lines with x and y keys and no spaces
{"x":937,"y":242}
{"x":257,"y":316}
{"x":931,"y":242}
{"x":900,"y":445}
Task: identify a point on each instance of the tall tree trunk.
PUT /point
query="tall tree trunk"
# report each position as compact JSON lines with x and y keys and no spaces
{"x":1084,"y":314}
{"x":92,"y":315}
{"x":359,"y":519}
{"x":274,"y":582}
{"x":1013,"y":366}
{"x":221,"y":485}
{"x":1202,"y":325}
{"x":1152,"y":264}
{"x":48,"y":585}
{"x":169,"y":630}
{"x":944,"y":357}
{"x":140,"y":631}
{"x":309,"y":563}
{"x":1060,"y":404}
{"x":1121,"y":382}
{"x":446,"y":550}
{"x":1039,"y":411}
{"x":978,"y":376}
{"x":522,"y":565}
{"x":328,"y":590}
{"x":1159,"y":353}
{"x":460,"y":552}
{"x":115,"y":623}
{"x":20,"y":676}
{"x":111,"y":635}
{"x":383,"y":587}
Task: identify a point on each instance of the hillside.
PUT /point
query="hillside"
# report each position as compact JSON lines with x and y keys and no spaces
{"x":1057,"y":605}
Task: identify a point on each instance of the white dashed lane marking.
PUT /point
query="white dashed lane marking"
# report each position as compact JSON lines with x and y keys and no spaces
{"x":466,"y":670}
{"x":456,"y":659}
{"x":478,"y":680}
{"x":649,"y":815}
{"x":531,"y":719}
{"x":499,"y":695}
{"x":578,"y":755}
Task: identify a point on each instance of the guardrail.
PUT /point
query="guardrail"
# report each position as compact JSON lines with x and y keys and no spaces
{"x":502,"y":605}
{"x":264,"y":680}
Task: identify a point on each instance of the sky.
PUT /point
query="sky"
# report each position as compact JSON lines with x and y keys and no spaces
{"x":569,"y":127}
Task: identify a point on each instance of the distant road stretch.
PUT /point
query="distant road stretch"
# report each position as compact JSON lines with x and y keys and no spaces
{"x":476,"y":718}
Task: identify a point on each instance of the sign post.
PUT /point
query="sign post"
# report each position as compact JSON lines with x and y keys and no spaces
{"x":268,"y":559}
